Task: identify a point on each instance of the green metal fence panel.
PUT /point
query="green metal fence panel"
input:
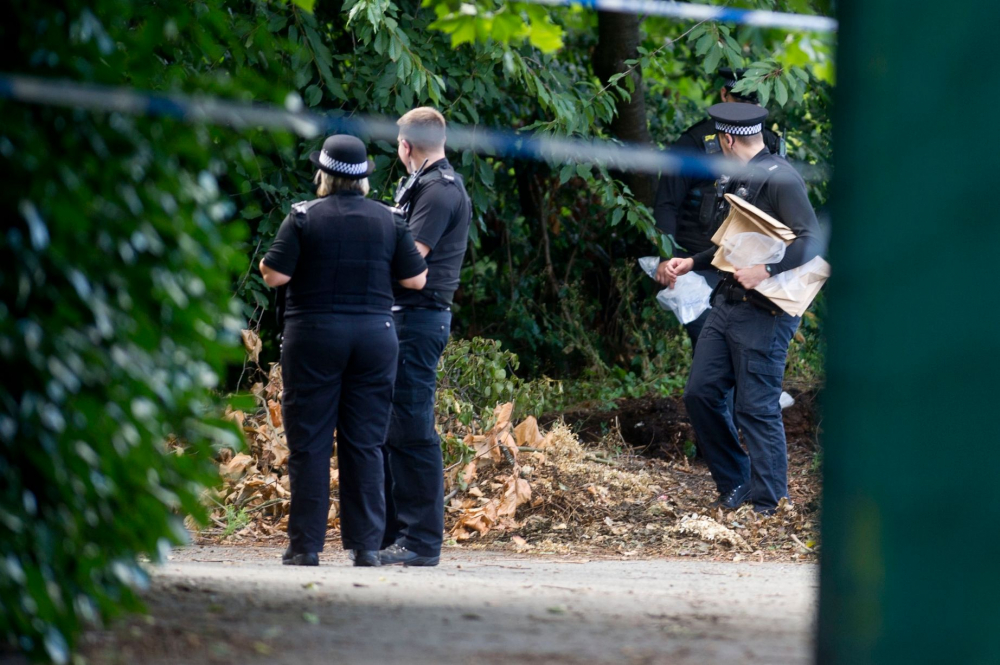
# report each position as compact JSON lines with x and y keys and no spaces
{"x":911,"y":513}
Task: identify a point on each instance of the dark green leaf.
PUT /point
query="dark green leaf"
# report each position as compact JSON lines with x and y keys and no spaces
{"x":712,"y":59}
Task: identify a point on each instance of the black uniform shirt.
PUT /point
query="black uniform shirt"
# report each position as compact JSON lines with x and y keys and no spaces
{"x":784,"y":198}
{"x":439,"y":217}
{"x":344,"y":253}
{"x":674,"y":193}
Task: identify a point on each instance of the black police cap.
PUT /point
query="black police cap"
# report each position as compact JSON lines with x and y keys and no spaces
{"x":731,"y":75}
{"x":738,"y":119}
{"x":343,"y":156}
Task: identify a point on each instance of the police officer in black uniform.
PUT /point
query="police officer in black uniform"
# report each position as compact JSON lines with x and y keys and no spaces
{"x":687,"y":208}
{"x":744,"y":343}
{"x":339,"y":256}
{"x":438,"y":211}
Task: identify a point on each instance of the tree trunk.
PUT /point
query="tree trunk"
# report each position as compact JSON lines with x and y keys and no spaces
{"x":618,"y":41}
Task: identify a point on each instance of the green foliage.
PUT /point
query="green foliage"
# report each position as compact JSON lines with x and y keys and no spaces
{"x":715,"y":45}
{"x":500,"y":22}
{"x":235,"y":519}
{"x":656,"y":351}
{"x":115,"y":320}
{"x":476,"y":375}
{"x":806,"y":353}
{"x":769,"y":77}
{"x":116,"y":315}
{"x":546,"y":238}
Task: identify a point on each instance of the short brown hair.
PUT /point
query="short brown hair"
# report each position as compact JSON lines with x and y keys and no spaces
{"x":423,"y":128}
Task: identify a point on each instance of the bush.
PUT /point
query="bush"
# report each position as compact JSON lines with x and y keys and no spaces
{"x":116,"y":315}
{"x":114,"y":328}
{"x":474,"y":376}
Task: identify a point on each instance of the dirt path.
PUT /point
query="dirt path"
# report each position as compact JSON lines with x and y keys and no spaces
{"x":239,"y":605}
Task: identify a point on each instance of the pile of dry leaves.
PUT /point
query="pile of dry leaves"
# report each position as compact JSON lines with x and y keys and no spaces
{"x":548,"y":493}
{"x":534,"y":491}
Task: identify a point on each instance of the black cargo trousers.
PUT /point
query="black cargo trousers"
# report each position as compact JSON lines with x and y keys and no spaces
{"x":414,"y":466}
{"x":338,"y":372}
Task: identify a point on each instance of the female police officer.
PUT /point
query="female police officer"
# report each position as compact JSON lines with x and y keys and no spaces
{"x":338,"y":255}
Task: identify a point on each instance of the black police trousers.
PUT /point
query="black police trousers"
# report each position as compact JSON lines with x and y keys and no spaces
{"x":742,"y":348}
{"x":414,"y":466}
{"x":338,"y":372}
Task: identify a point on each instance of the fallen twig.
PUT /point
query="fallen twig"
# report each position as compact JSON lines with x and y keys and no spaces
{"x":801,"y":544}
{"x":266,"y":504}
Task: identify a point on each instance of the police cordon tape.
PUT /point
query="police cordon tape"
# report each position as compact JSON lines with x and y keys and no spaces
{"x":697,"y":12}
{"x":293,"y":118}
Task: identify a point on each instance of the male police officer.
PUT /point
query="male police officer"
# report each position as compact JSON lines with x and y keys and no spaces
{"x":691,"y":209}
{"x":745,"y":340}
{"x":438,"y":212}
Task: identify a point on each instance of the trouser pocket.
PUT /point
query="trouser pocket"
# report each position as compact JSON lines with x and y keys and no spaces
{"x":761,"y":389}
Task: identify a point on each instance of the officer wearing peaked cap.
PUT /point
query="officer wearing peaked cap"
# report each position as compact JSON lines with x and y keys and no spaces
{"x":339,"y":256}
{"x":744,"y":343}
{"x":690,"y":209}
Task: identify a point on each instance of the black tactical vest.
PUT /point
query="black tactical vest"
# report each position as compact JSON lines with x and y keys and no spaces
{"x":344,"y":266}
{"x":444,"y":262}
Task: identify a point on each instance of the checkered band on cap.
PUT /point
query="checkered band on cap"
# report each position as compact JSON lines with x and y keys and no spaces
{"x":342,"y":167}
{"x":730,"y":83}
{"x":737,"y":130}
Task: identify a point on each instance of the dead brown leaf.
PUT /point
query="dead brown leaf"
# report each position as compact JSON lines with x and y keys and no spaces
{"x":469,"y":473}
{"x":275,"y":410}
{"x":235,"y":415}
{"x":236,"y":467}
{"x":252,"y":343}
{"x":502,"y":415}
{"x":527,"y":434}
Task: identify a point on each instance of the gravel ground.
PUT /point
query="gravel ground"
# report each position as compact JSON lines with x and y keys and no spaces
{"x":239,"y":605}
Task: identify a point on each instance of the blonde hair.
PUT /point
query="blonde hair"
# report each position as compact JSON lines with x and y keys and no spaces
{"x":331,"y":184}
{"x":423,"y":128}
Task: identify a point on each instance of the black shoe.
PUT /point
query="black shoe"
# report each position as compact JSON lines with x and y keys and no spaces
{"x":365,"y":558}
{"x":734,"y":499}
{"x":290,"y":558}
{"x":396,"y":554}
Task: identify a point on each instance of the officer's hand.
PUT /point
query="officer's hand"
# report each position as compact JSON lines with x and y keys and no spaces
{"x":664,"y":276}
{"x":750,"y":277}
{"x":674,"y":268}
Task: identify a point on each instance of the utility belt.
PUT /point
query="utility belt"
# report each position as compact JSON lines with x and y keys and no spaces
{"x":409,"y":308}
{"x":731,"y":290}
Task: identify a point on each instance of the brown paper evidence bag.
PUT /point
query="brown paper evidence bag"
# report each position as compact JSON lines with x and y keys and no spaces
{"x":794,"y":290}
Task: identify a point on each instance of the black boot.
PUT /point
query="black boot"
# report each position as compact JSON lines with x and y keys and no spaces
{"x":290,"y":558}
{"x":734,"y":499}
{"x":395,"y":554}
{"x":365,"y":558}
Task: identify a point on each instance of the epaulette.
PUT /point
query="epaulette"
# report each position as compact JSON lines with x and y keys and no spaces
{"x":302,"y":206}
{"x":439,"y":174}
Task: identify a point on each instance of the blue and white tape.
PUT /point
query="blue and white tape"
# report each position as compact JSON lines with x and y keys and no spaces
{"x":555,"y":150}
{"x":697,"y":12}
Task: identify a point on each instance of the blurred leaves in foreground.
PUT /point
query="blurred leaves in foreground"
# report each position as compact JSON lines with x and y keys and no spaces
{"x":116,"y":314}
